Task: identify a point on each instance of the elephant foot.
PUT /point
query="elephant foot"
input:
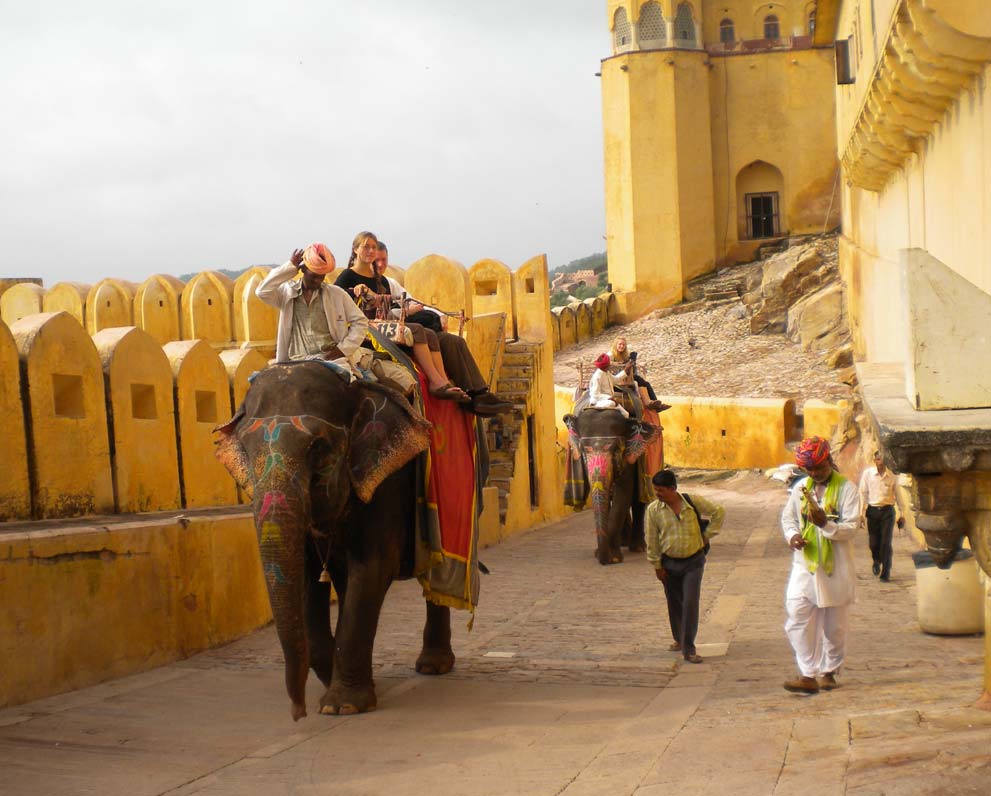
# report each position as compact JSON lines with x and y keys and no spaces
{"x":298,"y":711}
{"x":341,"y":701}
{"x":638,"y":547}
{"x":435,"y":661}
{"x":607,"y":557}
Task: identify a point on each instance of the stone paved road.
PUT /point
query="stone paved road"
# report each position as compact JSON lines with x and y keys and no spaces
{"x":563,"y":687}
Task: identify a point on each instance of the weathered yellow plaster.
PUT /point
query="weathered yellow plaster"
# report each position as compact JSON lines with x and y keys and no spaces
{"x":109,"y":303}
{"x":599,"y":309}
{"x":492,"y":290}
{"x":441,"y":283}
{"x":69,"y":297}
{"x":485,"y":335}
{"x":726,"y":433}
{"x":203,"y":401}
{"x":556,"y":327}
{"x":67,"y":431}
{"x":156,"y":307}
{"x":240,"y":363}
{"x":205,"y":311}
{"x":583,"y":321}
{"x":531,"y":306}
{"x":821,"y":418}
{"x":254,"y":320}
{"x":122,"y":598}
{"x":15,"y":486}
{"x":138,"y":383}
{"x":21,"y":300}
{"x":567,"y":326}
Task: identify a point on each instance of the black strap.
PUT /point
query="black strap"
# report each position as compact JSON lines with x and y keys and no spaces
{"x":705,"y":542}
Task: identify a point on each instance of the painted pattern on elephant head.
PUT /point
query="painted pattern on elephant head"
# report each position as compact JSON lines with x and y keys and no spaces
{"x":602,"y":455}
{"x":641,"y":435}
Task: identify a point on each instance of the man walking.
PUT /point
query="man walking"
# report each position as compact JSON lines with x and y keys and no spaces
{"x":877,"y":495}
{"x":819,"y":521}
{"x":676,"y":548}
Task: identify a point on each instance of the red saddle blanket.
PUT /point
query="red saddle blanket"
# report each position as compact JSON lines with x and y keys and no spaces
{"x":449,"y":575}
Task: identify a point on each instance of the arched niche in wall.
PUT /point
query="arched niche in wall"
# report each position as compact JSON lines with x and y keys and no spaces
{"x":651,"y":27}
{"x":622,"y":31}
{"x":686,"y":26}
{"x":760,"y":201}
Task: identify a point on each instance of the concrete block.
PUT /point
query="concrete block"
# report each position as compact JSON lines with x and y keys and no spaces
{"x":21,"y":300}
{"x":138,"y":384}
{"x":15,"y":486}
{"x":568,"y":326}
{"x":205,"y":310}
{"x":441,"y":283}
{"x":67,"y":428}
{"x":202,"y":400}
{"x":531,"y":300}
{"x":948,"y":361}
{"x":727,"y":433}
{"x":492,"y":290}
{"x":156,"y":307}
{"x":583,"y":321}
{"x":254,"y":320}
{"x":110,"y":303}
{"x":67,"y":297}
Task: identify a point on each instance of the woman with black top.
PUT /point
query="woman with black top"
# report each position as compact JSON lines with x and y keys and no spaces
{"x":368,"y":289}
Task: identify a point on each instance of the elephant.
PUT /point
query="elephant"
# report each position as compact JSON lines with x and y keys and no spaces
{"x":609,"y":444}
{"x":329,"y":465}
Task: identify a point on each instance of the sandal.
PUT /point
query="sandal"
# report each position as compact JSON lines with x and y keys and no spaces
{"x":448,"y":392}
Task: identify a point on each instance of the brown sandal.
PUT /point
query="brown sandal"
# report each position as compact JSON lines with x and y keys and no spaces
{"x":448,"y":392}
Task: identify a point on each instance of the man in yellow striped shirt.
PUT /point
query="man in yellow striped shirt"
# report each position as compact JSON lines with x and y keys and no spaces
{"x":676,"y":549}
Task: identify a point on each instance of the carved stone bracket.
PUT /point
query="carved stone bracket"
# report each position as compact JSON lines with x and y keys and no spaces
{"x":925,"y":66}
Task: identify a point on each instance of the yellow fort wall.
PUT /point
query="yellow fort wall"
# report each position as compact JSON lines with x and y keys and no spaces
{"x":255,"y":322}
{"x":441,"y":283}
{"x":492,"y":290}
{"x":68,"y":297}
{"x":109,"y":303}
{"x":138,"y":383}
{"x":156,"y":307}
{"x":21,"y":300}
{"x":15,"y":486}
{"x":122,"y":598}
{"x":67,"y":426}
{"x":205,"y":310}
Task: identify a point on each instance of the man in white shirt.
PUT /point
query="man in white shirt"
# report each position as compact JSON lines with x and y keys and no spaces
{"x":819,"y":522}
{"x":316,"y":319}
{"x":877,"y":496}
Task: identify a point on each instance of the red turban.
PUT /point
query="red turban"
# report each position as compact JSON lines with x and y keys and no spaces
{"x":602,"y":362}
{"x":318,"y":259}
{"x":812,"y":452}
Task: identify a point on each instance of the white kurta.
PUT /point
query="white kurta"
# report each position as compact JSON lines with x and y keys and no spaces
{"x":600,"y":392}
{"x":824,"y":591}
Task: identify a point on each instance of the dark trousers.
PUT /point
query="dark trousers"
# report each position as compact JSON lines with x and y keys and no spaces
{"x":880,"y":526}
{"x":460,"y":364}
{"x":642,"y":382}
{"x":683,"y":590}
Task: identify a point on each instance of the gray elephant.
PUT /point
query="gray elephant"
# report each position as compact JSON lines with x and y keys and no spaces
{"x":605,"y":449}
{"x":329,"y":467}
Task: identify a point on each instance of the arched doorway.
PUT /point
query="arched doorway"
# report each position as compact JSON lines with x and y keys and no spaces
{"x":759,"y":190}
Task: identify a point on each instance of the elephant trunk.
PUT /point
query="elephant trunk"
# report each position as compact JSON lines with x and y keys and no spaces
{"x":282,"y":520}
{"x":600,"y":482}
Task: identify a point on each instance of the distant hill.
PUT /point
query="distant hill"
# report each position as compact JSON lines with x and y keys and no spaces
{"x":230,"y":272}
{"x":593,"y":262}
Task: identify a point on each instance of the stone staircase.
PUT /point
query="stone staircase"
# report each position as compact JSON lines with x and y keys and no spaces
{"x":513,"y":382}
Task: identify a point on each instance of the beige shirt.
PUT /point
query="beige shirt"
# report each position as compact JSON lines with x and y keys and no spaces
{"x":876,"y":489}
{"x":310,"y":331}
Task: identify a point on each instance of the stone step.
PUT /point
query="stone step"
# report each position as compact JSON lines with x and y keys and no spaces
{"x":505,"y":387}
{"x":518,"y":347}
{"x":516,"y":397}
{"x":516,"y":371}
{"x":523,"y":358}
{"x":500,"y":470}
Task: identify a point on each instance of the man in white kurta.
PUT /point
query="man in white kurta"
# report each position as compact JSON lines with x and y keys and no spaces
{"x":821,"y":587}
{"x":601,"y":387}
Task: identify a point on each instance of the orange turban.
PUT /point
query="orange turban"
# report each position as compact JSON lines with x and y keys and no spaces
{"x":318,"y":259}
{"x":812,"y":452}
{"x":602,"y":362}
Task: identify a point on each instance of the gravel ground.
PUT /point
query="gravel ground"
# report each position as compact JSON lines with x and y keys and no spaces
{"x":710,"y":352}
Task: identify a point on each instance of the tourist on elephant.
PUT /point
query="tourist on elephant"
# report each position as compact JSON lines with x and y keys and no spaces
{"x":367,"y":288}
{"x":819,"y":522}
{"x":331,"y":328}
{"x":624,"y":369}
{"x":457,"y":358}
{"x":601,"y":387}
{"x":676,"y":547}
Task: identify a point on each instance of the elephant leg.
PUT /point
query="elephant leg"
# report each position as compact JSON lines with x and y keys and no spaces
{"x":351,"y":688}
{"x":619,"y":512}
{"x":317,"y":606}
{"x":436,"y":656}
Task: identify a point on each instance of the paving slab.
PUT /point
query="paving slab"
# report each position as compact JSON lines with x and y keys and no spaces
{"x":564,"y":687}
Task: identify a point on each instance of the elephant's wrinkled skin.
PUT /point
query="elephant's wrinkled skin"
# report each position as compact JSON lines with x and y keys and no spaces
{"x":329,"y":467}
{"x":611,"y":445}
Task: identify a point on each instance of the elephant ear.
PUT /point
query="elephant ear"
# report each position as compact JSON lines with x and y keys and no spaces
{"x":230,"y":452}
{"x":574,"y":439}
{"x":638,"y":438}
{"x":386,"y":433}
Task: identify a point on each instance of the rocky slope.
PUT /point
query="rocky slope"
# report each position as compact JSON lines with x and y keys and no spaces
{"x":771,"y":329}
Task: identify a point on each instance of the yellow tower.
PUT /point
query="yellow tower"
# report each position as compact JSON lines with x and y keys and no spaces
{"x":718,"y":120}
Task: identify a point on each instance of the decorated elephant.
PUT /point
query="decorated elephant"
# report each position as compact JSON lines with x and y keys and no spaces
{"x":330,"y":469}
{"x":605,"y":448}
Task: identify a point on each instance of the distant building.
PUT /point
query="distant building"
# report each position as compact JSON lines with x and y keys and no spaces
{"x":719,"y":126}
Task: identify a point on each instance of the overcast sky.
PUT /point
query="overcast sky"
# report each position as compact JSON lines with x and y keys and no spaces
{"x":145,"y":137}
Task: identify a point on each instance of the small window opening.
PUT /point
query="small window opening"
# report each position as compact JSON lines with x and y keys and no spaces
{"x":529,"y":285}
{"x":206,"y":406}
{"x":67,"y":394}
{"x":772,"y":28}
{"x":762,"y":215}
{"x":486,"y":287}
{"x":143,"y":405}
{"x":727,"y":33}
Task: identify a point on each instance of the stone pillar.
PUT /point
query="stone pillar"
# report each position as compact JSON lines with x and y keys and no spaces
{"x":15,"y":486}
